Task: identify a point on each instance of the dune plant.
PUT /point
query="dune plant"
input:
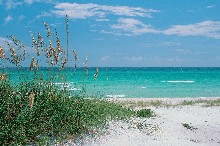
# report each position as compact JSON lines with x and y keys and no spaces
{"x":34,"y":110}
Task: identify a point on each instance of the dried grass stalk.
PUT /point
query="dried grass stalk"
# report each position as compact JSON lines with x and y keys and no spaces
{"x":2,"y":77}
{"x":58,"y":43}
{"x":31,"y":100}
{"x":63,"y":63}
{"x":33,"y":64}
{"x":86,"y":66}
{"x":2,"y":52}
{"x":67,"y":40}
{"x":49,"y":33}
{"x":96,"y":73}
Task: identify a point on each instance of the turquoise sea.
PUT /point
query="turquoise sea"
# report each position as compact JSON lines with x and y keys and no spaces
{"x":129,"y":82}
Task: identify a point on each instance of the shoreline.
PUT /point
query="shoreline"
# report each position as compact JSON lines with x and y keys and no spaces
{"x":168,"y":101}
{"x":166,"y":127}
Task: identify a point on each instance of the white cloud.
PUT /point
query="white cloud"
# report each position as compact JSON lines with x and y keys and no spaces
{"x":106,"y":20}
{"x":105,"y":58}
{"x":217,"y":58}
{"x":21,"y":17}
{"x":176,"y":59}
{"x":206,"y":28}
{"x":93,"y":30}
{"x":33,"y":1}
{"x":109,"y":32}
{"x":210,"y":6}
{"x":12,"y":4}
{"x":44,"y":14}
{"x":148,"y":45}
{"x":136,"y":58}
{"x":170,"y":44}
{"x":182,"y":51}
{"x":82,"y":11}
{"x":7,"y":19}
{"x":133,"y":26}
{"x":3,"y":42}
{"x":28,"y":1}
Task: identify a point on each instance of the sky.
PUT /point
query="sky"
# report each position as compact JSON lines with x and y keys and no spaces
{"x":128,"y":33}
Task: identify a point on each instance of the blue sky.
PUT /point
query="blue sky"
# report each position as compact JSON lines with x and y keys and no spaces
{"x":144,"y":33}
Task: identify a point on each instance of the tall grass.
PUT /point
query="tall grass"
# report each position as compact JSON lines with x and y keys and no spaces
{"x":34,"y":107}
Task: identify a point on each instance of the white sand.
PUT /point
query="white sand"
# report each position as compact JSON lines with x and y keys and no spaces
{"x":164,"y":129}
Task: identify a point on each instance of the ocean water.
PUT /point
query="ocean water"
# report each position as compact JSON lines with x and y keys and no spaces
{"x":129,"y":82}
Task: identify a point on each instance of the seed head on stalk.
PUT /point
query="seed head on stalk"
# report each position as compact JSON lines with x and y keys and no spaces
{"x":58,"y":43}
{"x":2,"y":52}
{"x":40,"y":40}
{"x":2,"y":77}
{"x":63,"y":63}
{"x":96,"y":73}
{"x":49,"y":33}
{"x":67,"y":39}
{"x":33,"y":64}
{"x":33,"y":40}
{"x":86,"y":66}
{"x":76,"y":58}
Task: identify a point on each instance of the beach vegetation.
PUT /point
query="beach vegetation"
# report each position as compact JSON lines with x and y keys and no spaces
{"x":145,"y":113}
{"x":33,"y":110}
{"x":133,"y":104}
{"x":188,"y":126}
{"x":201,"y":102}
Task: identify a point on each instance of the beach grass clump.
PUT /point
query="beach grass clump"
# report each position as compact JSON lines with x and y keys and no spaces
{"x":147,"y":113}
{"x":213,"y":103}
{"x":33,"y":110}
{"x":25,"y":117}
{"x":133,"y":104}
{"x":200,"y":102}
{"x":188,"y":126}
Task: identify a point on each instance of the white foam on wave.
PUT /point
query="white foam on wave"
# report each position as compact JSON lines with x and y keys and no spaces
{"x":74,"y":89}
{"x":71,"y":89}
{"x":61,"y":83}
{"x":116,"y":96}
{"x":143,"y":87}
{"x":178,"y":81}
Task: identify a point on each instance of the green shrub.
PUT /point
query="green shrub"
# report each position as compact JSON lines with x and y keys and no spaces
{"x":188,"y":126}
{"x":145,"y":113}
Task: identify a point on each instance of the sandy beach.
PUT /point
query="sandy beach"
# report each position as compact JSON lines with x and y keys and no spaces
{"x":165,"y":128}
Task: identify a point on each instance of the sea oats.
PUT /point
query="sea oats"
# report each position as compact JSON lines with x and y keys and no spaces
{"x":75,"y":55}
{"x":12,"y":51}
{"x":58,"y":43}
{"x":17,"y":42}
{"x":33,"y":64}
{"x":76,"y":58}
{"x":39,"y":43}
{"x":2,"y":77}
{"x":24,"y":53}
{"x":67,"y":40}
{"x":33,"y":40}
{"x":40,"y":40}
{"x":63,"y":63}
{"x":31,"y":100}
{"x":56,"y":57}
{"x":2,"y":52}
{"x":96,"y":74}
{"x":49,"y":33}
{"x":86,"y":66}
